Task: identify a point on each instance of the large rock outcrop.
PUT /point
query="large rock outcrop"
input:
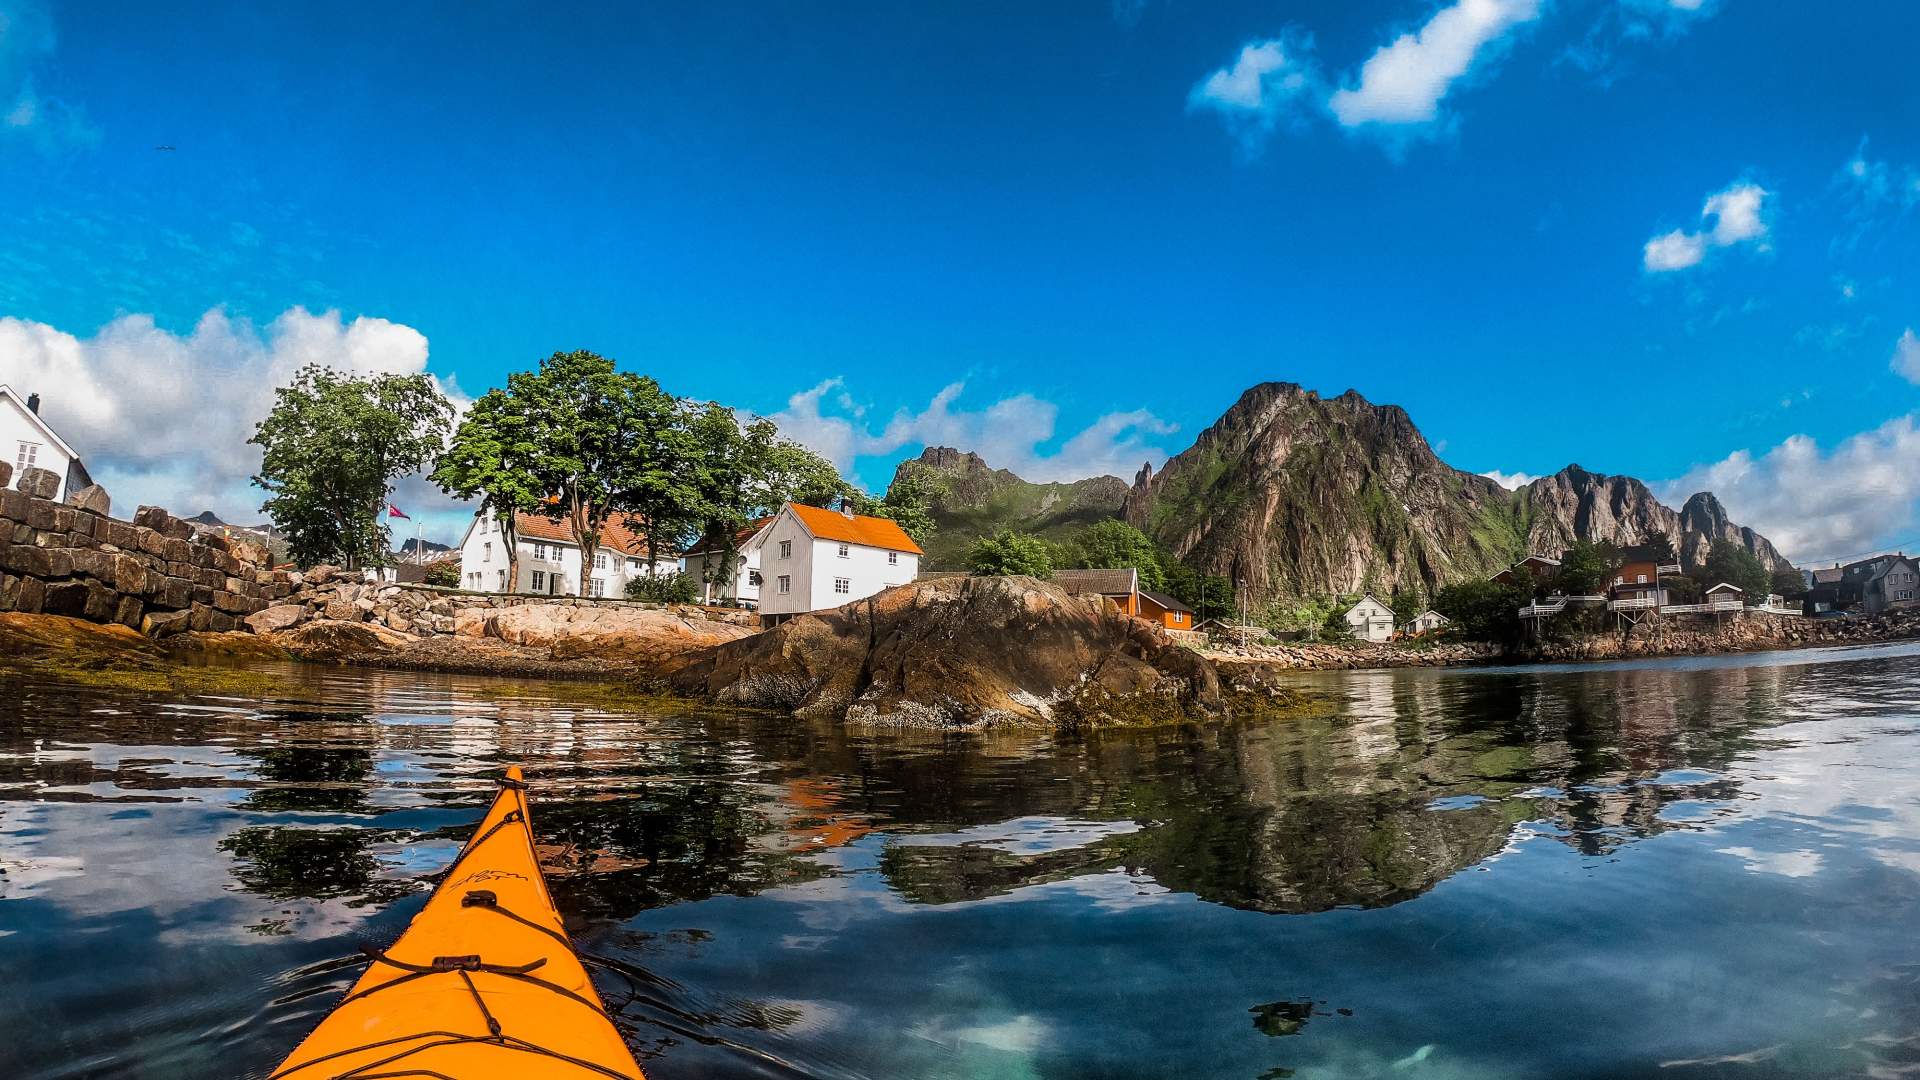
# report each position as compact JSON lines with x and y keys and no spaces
{"x":641,"y":635}
{"x":961,"y":652}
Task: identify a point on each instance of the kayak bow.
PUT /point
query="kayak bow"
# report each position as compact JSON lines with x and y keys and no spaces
{"x":483,"y":984}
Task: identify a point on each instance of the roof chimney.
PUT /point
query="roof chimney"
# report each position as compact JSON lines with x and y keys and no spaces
{"x":846,"y":508}
{"x":33,"y":404}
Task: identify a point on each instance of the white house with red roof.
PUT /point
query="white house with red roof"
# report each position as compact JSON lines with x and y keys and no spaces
{"x":550,"y":559}
{"x":810,"y":558}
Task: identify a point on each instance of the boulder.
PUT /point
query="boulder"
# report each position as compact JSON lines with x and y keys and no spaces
{"x":277,"y":617}
{"x":331,"y":639}
{"x":343,"y":611}
{"x":643,"y":635}
{"x":93,"y":499}
{"x":319,"y":575}
{"x":6,"y":474}
{"x":961,"y":652}
{"x":39,"y":483}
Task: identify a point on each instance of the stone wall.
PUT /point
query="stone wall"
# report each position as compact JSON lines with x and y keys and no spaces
{"x":151,"y":573}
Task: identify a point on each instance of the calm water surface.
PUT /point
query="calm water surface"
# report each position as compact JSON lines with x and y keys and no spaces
{"x":1677,"y":869}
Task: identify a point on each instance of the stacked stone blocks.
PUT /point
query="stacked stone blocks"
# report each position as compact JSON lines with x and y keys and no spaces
{"x":152,"y":573}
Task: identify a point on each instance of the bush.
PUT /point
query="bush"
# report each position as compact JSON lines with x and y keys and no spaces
{"x":445,"y":574}
{"x":1010,"y":553}
{"x":664,"y":588}
{"x":1484,"y":610}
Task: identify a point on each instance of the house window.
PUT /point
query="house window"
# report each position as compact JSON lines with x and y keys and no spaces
{"x":1639,"y":579}
{"x":842,"y":585}
{"x":486,"y":552}
{"x":539,"y":550}
{"x":786,"y":583}
{"x":786,"y":551}
{"x":893,"y":558}
{"x":844,"y":551}
{"x":633,"y":566}
{"x":753,"y":578}
{"x":503,"y":581}
{"x":600,"y":561}
{"x":540,"y":581}
{"x":596,"y":586}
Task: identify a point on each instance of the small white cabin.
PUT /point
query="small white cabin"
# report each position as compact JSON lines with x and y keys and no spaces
{"x":812,"y":558}
{"x":742,"y":587}
{"x":1370,"y":619}
{"x":1425,"y":622}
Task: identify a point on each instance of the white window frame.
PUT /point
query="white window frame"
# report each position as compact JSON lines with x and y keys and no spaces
{"x":539,"y":581}
{"x":599,"y":560}
{"x":486,"y":551}
{"x":753,"y":578}
{"x":539,"y":550}
{"x":786,"y":549}
{"x":503,"y":580}
{"x":893,"y":558}
{"x":28,"y":457}
{"x":786,"y":584}
{"x":597,"y":587}
{"x":843,"y":586}
{"x":846,"y":551}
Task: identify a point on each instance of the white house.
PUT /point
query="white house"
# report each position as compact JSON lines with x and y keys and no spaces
{"x":550,"y":560}
{"x":810,"y":559}
{"x":1426,"y":621}
{"x":702,"y":563}
{"x":1370,"y":619}
{"x":29,"y":443}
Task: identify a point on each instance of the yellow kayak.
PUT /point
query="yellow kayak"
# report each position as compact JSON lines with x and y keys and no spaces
{"x":482,"y":984}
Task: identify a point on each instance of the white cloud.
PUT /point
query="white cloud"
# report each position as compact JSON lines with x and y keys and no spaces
{"x":1735,"y":215}
{"x":1676,"y":250}
{"x":1875,"y":195}
{"x":1404,"y":82}
{"x":1009,"y":433}
{"x":1817,"y":506}
{"x":26,"y":42}
{"x":164,"y":418}
{"x":1906,"y":356}
{"x":1265,"y":83}
{"x":1511,"y":481}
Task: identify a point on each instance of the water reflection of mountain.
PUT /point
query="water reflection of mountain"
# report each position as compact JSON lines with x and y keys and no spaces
{"x":1416,"y":778}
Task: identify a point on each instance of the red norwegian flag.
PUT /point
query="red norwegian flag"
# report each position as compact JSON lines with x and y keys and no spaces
{"x":395,"y":512}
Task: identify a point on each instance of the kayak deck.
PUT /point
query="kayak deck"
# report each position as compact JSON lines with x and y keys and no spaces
{"x":482,"y":984}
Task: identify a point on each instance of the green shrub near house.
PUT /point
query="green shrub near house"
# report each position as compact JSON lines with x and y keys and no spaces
{"x":664,"y":588}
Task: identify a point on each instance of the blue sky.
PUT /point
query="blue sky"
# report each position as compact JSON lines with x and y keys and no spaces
{"x":1672,"y":240}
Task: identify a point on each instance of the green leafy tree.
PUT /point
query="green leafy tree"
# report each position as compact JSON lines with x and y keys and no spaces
{"x":1586,"y":568}
{"x":492,"y":458}
{"x":1657,"y":548}
{"x":445,"y":573}
{"x":1407,"y":603}
{"x":1735,"y":565}
{"x":1789,"y":584}
{"x":742,"y":472}
{"x":1484,"y":610}
{"x":1116,"y":545}
{"x":331,"y":449}
{"x":605,"y":445}
{"x":1209,"y":595}
{"x":1010,"y":553}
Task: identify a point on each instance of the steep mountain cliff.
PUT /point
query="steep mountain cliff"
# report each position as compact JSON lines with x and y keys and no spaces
{"x":972,"y":499}
{"x":1295,"y":494}
{"x":1574,"y":504}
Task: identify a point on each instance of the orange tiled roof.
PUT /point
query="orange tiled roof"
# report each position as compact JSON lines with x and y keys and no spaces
{"x":614,"y":534}
{"x":856,"y":529}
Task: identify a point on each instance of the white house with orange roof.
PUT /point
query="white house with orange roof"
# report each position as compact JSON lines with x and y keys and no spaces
{"x":810,"y":558}
{"x":704,"y":563}
{"x":550,"y":559}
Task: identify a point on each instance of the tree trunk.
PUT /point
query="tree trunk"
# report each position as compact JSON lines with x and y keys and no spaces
{"x":511,"y":535}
